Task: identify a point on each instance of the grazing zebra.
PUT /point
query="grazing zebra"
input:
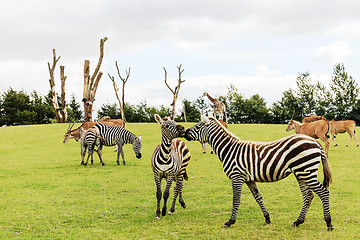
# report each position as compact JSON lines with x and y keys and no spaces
{"x":250,"y":162}
{"x":169,"y":161}
{"x":116,"y":135}
{"x":88,"y":139}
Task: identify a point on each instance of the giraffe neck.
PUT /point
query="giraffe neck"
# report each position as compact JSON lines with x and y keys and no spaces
{"x":210,"y":98}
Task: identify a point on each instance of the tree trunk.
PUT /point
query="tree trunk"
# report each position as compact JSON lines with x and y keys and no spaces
{"x":91,"y":83}
{"x":60,"y":114}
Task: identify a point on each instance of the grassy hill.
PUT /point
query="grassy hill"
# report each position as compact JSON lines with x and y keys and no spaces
{"x":46,"y":193}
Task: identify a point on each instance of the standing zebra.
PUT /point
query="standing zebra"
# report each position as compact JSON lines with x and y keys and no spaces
{"x":116,"y":135}
{"x":250,"y":162}
{"x":88,"y":139}
{"x":169,"y":161}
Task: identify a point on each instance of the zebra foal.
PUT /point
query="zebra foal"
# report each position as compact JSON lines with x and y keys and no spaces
{"x":169,"y":161}
{"x":251,"y":162}
{"x":115,"y":135}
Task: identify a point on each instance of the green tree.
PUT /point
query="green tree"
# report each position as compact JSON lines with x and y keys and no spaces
{"x":16,"y":108}
{"x":283,"y":110}
{"x":234,"y":105}
{"x":255,"y":110}
{"x":111,"y":110}
{"x":192,"y":112}
{"x":305,"y":93}
{"x":75,"y":114}
{"x":43,"y":112}
{"x":201,"y":105}
{"x":345,"y":92}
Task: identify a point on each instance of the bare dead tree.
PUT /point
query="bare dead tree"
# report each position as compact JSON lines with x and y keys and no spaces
{"x":176,"y":90}
{"x":60,"y":113}
{"x":124,"y":80}
{"x":91,"y":83}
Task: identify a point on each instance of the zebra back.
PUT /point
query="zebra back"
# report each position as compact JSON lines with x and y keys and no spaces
{"x":261,"y":162}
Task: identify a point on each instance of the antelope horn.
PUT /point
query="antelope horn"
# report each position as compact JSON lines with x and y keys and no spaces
{"x":292,"y":118}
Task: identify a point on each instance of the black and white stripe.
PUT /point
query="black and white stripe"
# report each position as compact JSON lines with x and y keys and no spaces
{"x":250,"y":162}
{"x":117,"y":135}
{"x":88,"y":139}
{"x":169,"y":161}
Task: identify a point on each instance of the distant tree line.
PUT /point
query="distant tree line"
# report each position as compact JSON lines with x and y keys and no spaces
{"x":339,"y":100}
{"x":20,"y":108}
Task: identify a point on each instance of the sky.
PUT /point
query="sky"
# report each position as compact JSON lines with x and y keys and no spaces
{"x":259,"y":46}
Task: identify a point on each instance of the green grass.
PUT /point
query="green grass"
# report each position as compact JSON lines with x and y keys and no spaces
{"x":47,"y":194}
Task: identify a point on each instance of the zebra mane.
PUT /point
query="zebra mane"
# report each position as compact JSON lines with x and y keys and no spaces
{"x":225,"y":129}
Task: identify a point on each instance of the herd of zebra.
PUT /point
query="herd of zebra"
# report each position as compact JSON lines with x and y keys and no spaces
{"x":243,"y":161}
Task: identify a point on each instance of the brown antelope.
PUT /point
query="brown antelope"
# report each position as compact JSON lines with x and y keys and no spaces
{"x":342,"y":127}
{"x":218,"y":106}
{"x":310,"y":119}
{"x":75,"y":133}
{"x":109,"y":121}
{"x":319,"y":129}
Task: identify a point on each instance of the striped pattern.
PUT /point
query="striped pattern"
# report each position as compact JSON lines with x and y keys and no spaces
{"x":88,"y":139}
{"x":117,"y":135}
{"x":169,"y":161}
{"x":250,"y":162}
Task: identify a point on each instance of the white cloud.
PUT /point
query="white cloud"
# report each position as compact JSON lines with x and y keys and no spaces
{"x":333,"y":53}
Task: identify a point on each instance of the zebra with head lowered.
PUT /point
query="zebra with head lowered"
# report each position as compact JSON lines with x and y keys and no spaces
{"x":169,"y":161}
{"x":249,"y":162}
{"x":115,"y":135}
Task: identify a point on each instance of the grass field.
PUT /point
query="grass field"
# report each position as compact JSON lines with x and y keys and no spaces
{"x":47,"y":194}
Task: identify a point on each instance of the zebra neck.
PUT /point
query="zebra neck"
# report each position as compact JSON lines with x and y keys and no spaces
{"x":130,"y":139}
{"x":217,"y":136}
{"x":165,"y":149}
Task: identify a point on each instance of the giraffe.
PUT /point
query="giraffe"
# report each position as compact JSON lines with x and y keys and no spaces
{"x":218,"y":106}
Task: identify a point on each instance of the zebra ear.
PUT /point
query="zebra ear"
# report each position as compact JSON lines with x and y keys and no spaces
{"x":157,"y":118}
{"x":205,"y":120}
{"x":139,"y":137}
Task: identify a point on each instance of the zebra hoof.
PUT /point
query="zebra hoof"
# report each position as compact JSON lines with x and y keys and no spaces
{"x":157,"y":218}
{"x":330,"y":228}
{"x":229,"y":223}
{"x":170,"y":213}
{"x":183,"y":204}
{"x":103,"y":164}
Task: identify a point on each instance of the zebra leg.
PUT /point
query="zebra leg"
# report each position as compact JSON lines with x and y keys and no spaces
{"x":83,"y":152}
{"x":90,"y":152}
{"x":307,"y":198}
{"x":178,"y":187}
{"x":256,"y":193}
{"x":237,"y":187}
{"x":99,"y":152}
{"x":158,"y":195}
{"x":323,"y":194}
{"x":181,"y":200}
{"x":203,"y":147}
{"x":169,"y":181}
{"x":120,"y":151}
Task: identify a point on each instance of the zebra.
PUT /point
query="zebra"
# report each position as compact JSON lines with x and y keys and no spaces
{"x":88,"y":139}
{"x":250,"y":162}
{"x":115,"y":135}
{"x":169,"y":161}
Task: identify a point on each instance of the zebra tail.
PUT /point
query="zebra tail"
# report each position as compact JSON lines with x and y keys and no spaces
{"x":186,"y":176}
{"x":326,"y":170}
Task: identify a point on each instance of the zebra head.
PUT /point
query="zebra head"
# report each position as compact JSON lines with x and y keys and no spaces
{"x":137,"y":146}
{"x":199,"y":132}
{"x":169,"y":128}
